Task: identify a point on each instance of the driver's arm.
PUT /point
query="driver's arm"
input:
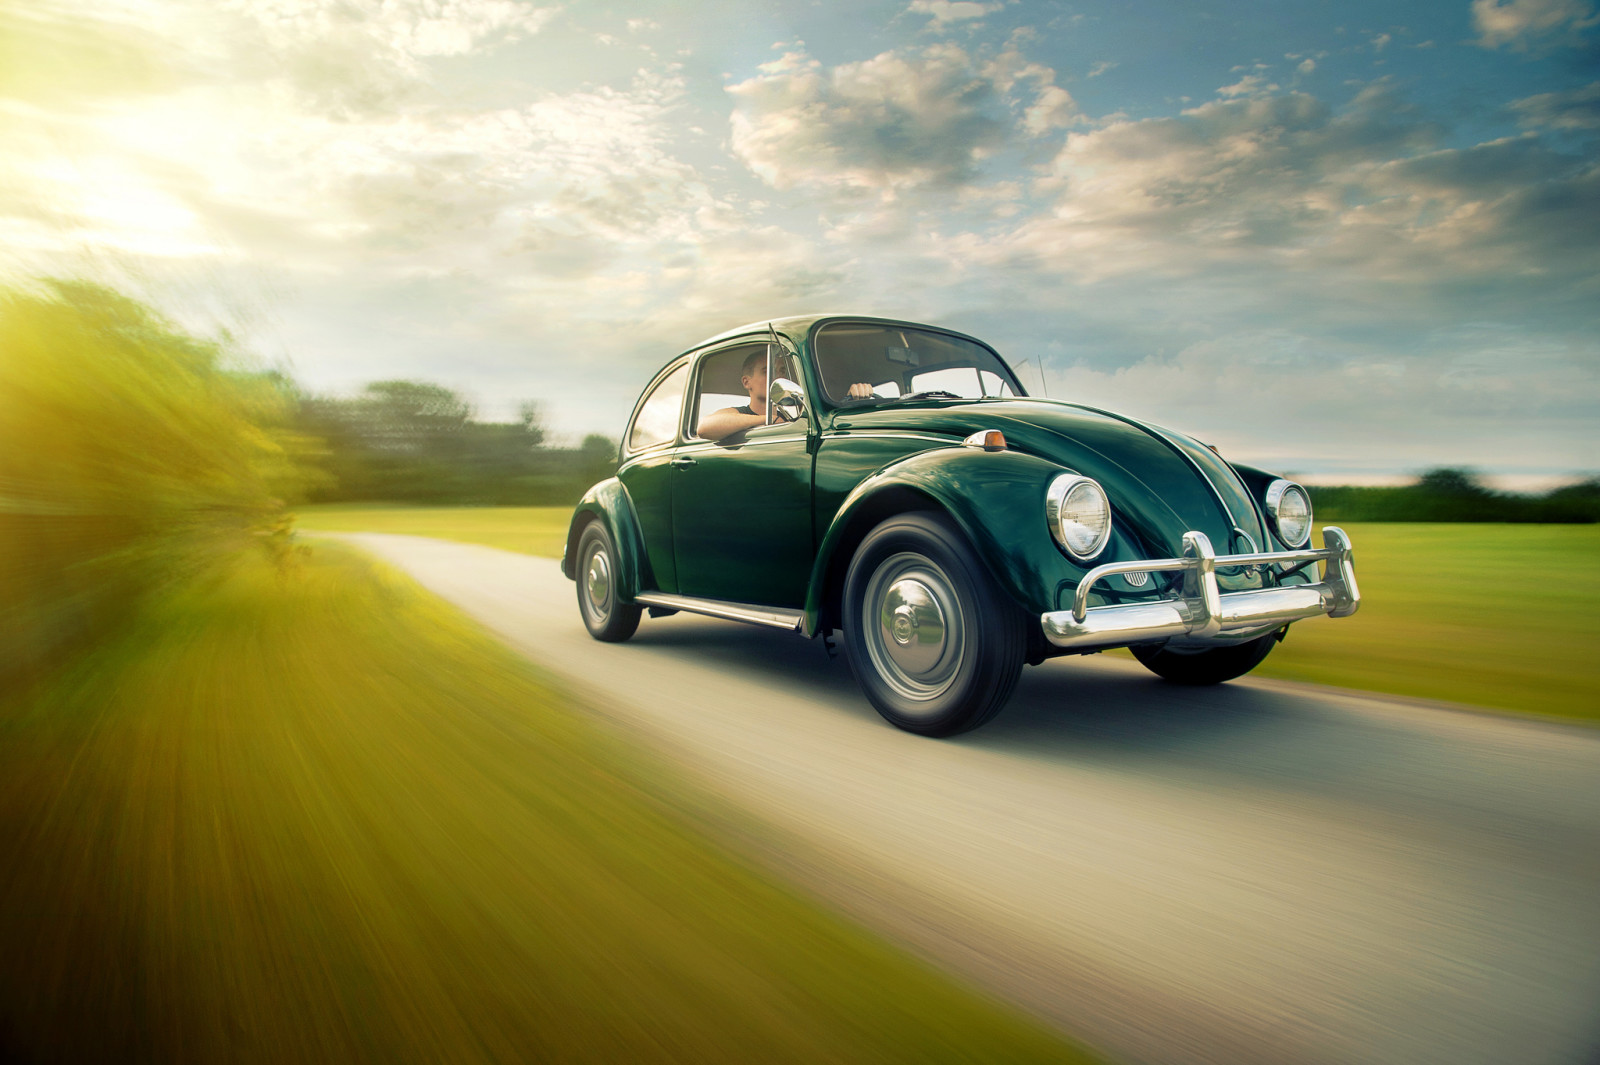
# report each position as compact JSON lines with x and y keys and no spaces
{"x":726,"y":422}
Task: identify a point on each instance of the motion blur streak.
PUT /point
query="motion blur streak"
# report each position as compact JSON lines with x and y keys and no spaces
{"x":130,"y":454}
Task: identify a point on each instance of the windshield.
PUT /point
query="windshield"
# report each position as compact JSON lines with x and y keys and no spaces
{"x":862,"y":362}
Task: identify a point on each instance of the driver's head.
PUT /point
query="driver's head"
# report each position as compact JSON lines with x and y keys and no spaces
{"x":753,"y":374}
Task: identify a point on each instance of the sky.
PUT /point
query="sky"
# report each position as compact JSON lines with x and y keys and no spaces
{"x":1344,"y":241}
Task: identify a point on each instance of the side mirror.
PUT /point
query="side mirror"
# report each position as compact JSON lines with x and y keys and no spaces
{"x":788,"y":397}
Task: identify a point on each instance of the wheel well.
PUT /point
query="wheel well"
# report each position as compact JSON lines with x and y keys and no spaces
{"x":574,"y":534}
{"x":876,"y":509}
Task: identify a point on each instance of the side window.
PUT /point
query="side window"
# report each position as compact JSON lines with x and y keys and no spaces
{"x":657,"y":420}
{"x":722,"y":380}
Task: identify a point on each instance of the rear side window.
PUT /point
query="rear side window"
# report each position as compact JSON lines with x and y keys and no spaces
{"x":657,"y":419}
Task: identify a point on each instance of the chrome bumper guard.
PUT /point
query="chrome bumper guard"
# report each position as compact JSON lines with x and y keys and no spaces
{"x":1203,"y":613}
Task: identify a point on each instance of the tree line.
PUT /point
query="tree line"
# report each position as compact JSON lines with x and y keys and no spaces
{"x":1455,"y":494}
{"x":416,"y":442}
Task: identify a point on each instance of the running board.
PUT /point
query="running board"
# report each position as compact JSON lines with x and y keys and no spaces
{"x":718,"y":608}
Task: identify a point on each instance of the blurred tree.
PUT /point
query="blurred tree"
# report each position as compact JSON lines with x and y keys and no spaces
{"x":411,"y":416}
{"x":1452,"y":481}
{"x":532,"y":420}
{"x":412,"y":441}
{"x":130,"y":453}
{"x":598,"y":455}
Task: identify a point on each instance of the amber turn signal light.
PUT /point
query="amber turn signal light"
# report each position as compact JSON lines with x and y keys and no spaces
{"x":988,"y":439}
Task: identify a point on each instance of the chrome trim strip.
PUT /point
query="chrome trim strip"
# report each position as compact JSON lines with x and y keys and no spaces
{"x":878,"y":434}
{"x":773,"y":617}
{"x":1203,"y":612}
{"x":700,"y":446}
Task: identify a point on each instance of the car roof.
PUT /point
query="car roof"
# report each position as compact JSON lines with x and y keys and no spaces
{"x":796,"y":327}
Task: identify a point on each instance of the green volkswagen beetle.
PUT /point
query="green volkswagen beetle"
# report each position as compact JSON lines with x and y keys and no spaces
{"x":894,"y":482}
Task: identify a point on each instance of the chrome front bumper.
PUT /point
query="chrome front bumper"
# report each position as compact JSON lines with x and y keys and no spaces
{"x":1203,"y":614}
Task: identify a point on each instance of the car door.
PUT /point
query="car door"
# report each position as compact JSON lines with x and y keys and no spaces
{"x":646,"y":471}
{"x":741,"y":505}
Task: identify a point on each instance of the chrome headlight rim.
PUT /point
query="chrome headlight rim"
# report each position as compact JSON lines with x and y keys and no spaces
{"x":1276,"y":491}
{"x":1062,"y":487}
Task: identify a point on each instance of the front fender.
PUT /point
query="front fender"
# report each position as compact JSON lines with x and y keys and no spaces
{"x":608,"y":502}
{"x":995,"y":497}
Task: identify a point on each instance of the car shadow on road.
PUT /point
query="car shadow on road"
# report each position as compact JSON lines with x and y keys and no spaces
{"x":1066,"y":705}
{"x":1073,"y":704}
{"x":797,"y":665}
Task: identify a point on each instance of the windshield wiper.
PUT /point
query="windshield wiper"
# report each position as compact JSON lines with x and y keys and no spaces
{"x":936,"y":393}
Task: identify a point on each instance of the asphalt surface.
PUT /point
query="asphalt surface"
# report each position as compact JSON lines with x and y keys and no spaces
{"x":1255,"y":872}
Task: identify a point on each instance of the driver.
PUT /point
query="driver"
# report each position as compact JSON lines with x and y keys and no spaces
{"x":730,"y":420}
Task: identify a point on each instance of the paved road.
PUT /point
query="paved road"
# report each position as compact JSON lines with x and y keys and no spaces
{"x":1249,"y":873}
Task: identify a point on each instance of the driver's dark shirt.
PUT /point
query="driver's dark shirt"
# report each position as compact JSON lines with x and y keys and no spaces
{"x":780,"y":416}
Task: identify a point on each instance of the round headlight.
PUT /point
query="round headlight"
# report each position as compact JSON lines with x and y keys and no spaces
{"x":1079,"y":515}
{"x":1290,"y":508}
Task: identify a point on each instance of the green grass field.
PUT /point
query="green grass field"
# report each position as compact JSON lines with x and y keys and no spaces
{"x":319,"y":817}
{"x":1493,"y":615}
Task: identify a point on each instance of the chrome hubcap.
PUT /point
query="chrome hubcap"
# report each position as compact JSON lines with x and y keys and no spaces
{"x":599,"y":581}
{"x":914,"y":633}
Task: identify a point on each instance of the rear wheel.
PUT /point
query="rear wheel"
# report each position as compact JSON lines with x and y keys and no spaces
{"x":934,"y":645}
{"x":604,"y":617}
{"x":1206,"y":667}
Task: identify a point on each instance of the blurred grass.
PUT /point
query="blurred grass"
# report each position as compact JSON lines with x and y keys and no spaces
{"x":1492,"y":615}
{"x":538,"y":531}
{"x":312,"y":814}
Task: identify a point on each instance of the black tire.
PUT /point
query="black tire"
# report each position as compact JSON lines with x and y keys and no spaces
{"x":1206,"y":667}
{"x":604,"y":617}
{"x":934,"y":645}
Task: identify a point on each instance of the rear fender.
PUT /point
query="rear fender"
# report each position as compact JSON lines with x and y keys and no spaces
{"x":608,"y":503}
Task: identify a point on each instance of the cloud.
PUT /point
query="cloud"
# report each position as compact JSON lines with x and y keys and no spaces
{"x":1576,"y":109}
{"x":1249,"y":85}
{"x":1286,"y":399}
{"x":1282,"y":209}
{"x":50,"y":52}
{"x":361,"y":57}
{"x":919,"y":117}
{"x":1519,"y":24}
{"x":943,"y":11}
{"x":412,"y":27}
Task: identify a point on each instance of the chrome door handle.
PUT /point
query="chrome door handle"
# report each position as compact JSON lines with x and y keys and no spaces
{"x":683,"y":460}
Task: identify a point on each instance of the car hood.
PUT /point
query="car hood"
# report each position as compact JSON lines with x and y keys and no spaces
{"x":1161,"y":483}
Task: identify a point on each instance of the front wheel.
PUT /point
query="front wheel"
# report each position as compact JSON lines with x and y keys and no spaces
{"x":604,"y":617}
{"x":1206,"y":667}
{"x":934,"y":645}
